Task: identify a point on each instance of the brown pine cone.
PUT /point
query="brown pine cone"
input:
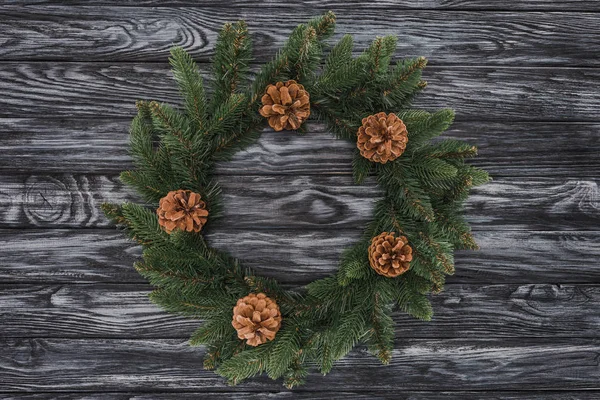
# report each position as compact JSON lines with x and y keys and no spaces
{"x":256,"y":318}
{"x":389,"y":255}
{"x":183,"y":210}
{"x":382,"y":137}
{"x":285,"y":105}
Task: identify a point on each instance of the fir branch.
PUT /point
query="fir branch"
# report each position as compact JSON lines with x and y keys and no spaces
{"x":269,"y":73}
{"x":208,"y":306}
{"x":224,"y":123}
{"x":170,"y":279}
{"x":221,"y":350}
{"x":323,"y":25}
{"x":214,"y":330}
{"x":285,"y":348}
{"x":300,"y":54}
{"x":354,"y":264}
{"x":422,"y":267}
{"x":448,"y":149}
{"x":114,"y":214}
{"x":341,"y":72}
{"x":456,"y":228}
{"x":141,"y":140}
{"x":145,"y":184}
{"x":325,"y":357}
{"x":404,"y":82}
{"x":142,"y":225}
{"x":340,"y":55}
{"x":381,"y":334}
{"x":177,"y":137}
{"x":233,"y":53}
{"x":296,"y":374}
{"x":409,"y":198}
{"x":431,"y":170}
{"x":379,"y":55}
{"x":341,"y":127}
{"x":351,"y":329}
{"x":246,"y":364}
{"x":441,"y":251}
{"x":303,"y":51}
{"x":190,"y":85}
{"x":423,"y":127}
{"x":361,"y":167}
{"x":288,"y":300}
{"x":414,"y":303}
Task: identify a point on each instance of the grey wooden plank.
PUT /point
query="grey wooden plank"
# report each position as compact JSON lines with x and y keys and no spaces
{"x":195,"y":395}
{"x":299,"y":202}
{"x":422,"y":364}
{"x":461,"y":311}
{"x":389,"y":5}
{"x":136,"y":34}
{"x":505,"y":256}
{"x":295,"y":258}
{"x":499,"y":94}
{"x":320,"y":394}
{"x":73,"y":255}
{"x":513,"y":148}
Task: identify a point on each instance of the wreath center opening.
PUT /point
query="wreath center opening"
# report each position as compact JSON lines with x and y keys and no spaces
{"x":294,"y":208}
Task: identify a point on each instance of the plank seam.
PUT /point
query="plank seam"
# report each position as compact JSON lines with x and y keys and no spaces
{"x":374,"y":6}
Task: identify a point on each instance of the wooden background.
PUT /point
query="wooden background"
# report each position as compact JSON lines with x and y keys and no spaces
{"x":520,"y":318}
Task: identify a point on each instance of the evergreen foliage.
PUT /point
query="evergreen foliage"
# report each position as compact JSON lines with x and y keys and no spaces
{"x":176,"y":148}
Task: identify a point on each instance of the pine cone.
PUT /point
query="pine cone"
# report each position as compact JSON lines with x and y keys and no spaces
{"x":390,"y":256}
{"x":256,"y":318}
{"x":286,"y":105}
{"x":182,"y":209}
{"x":382,"y":137}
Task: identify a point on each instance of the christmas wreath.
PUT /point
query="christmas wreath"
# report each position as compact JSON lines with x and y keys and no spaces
{"x":251,"y":324}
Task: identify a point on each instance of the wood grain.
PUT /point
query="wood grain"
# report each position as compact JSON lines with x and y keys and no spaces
{"x":319,"y":394}
{"x":461,"y":5}
{"x":71,"y":255}
{"x":519,"y":319}
{"x":124,"y":311}
{"x":143,"y":34}
{"x":295,"y":258}
{"x":422,"y":364}
{"x":515,"y":149}
{"x":299,"y":202}
{"x":499,"y":94}
{"x":67,"y":200}
{"x":505,"y":256}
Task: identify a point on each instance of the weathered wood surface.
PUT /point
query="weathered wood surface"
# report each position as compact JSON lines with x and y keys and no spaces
{"x":320,"y":394}
{"x":159,"y":364}
{"x":308,"y":201}
{"x":296,"y":258}
{"x":123,"y":33}
{"x":519,"y":320}
{"x":515,"y":149}
{"x":501,"y":94}
{"x":401,"y":5}
{"x":124,"y":311}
